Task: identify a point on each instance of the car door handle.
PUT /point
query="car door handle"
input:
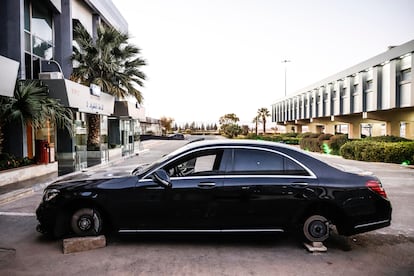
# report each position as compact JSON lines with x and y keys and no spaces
{"x":207,"y":185}
{"x":299,"y":184}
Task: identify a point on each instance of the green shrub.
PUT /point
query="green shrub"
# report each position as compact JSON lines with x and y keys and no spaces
{"x":8,"y":161}
{"x":399,"y":152}
{"x":311,"y":144}
{"x":308,"y":135}
{"x":387,"y":139}
{"x":252,"y":136}
{"x":336,"y":142}
{"x":291,"y":141}
{"x":275,"y":138}
{"x":347,"y":151}
{"x":373,"y":151}
{"x":324,"y":136}
{"x":290,"y":135}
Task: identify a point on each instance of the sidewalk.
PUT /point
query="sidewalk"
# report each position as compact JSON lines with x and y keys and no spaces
{"x":14,"y":191}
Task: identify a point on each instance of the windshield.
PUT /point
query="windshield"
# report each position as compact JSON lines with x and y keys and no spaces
{"x":145,"y":168}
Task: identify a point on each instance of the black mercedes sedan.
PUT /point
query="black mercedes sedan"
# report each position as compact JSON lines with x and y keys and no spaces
{"x":220,"y":186}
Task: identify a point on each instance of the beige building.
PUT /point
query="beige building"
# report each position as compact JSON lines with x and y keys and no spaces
{"x":372,"y":98}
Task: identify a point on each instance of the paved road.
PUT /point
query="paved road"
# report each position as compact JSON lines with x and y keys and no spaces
{"x":388,"y":251}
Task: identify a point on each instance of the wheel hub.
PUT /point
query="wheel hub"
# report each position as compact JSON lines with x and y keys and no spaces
{"x":318,"y":229}
{"x":84,"y":223}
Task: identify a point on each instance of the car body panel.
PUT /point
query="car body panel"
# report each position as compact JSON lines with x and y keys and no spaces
{"x":225,"y":186}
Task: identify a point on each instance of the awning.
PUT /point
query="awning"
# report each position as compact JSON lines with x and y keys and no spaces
{"x":75,"y":95}
{"x":8,"y":76}
{"x":128,"y":109}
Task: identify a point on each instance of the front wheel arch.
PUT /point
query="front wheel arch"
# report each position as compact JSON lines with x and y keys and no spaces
{"x":80,"y":204}
{"x":86,"y":222}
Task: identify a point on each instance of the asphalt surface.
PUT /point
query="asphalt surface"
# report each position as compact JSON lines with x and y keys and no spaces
{"x":388,"y":251}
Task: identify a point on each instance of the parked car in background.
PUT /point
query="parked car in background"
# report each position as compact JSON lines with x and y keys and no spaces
{"x":177,"y":136}
{"x":220,"y":186}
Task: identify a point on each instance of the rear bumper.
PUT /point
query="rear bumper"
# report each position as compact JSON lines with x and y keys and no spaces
{"x":360,"y":228}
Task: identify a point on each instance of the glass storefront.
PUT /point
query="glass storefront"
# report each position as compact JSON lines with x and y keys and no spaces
{"x":89,"y":144}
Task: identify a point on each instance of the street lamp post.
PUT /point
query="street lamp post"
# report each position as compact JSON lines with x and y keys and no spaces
{"x":285,"y":61}
{"x":57,"y":63}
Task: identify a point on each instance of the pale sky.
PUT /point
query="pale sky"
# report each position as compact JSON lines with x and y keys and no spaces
{"x":207,"y":58}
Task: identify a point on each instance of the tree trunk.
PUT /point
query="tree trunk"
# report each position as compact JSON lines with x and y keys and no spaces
{"x":1,"y":137}
{"x":94,"y":126}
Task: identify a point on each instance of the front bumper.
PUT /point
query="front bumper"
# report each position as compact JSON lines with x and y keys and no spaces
{"x":47,"y":216}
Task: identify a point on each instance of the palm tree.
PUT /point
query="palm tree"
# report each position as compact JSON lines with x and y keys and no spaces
{"x":31,"y":105}
{"x":263,"y":113}
{"x":256,"y":121}
{"x":110,"y":62}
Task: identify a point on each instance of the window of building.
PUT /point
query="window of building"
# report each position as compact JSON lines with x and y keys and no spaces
{"x":406,"y":75}
{"x":38,"y":36}
{"x":370,"y":85}
{"x":356,"y":87}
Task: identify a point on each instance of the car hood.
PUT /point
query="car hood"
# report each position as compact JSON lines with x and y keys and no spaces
{"x":95,"y":183}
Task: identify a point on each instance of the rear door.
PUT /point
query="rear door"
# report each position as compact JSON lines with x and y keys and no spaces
{"x":263,"y":189}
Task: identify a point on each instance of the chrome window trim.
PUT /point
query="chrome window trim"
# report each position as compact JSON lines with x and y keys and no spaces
{"x":235,"y":176}
{"x":310,"y":176}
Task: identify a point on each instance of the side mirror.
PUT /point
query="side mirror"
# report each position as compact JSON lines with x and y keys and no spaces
{"x":162,"y":178}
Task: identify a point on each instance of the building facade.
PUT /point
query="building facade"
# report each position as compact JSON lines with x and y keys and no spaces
{"x":38,"y":36}
{"x":372,"y":98}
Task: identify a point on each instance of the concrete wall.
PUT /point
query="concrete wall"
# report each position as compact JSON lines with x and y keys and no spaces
{"x":27,"y":172}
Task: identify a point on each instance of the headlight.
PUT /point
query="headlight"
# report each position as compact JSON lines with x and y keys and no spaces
{"x":50,"y":194}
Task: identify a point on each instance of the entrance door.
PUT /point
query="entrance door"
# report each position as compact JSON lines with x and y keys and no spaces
{"x":80,"y":145}
{"x":126,"y":137}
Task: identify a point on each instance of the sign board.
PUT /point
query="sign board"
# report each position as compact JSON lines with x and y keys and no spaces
{"x":8,"y":76}
{"x":75,"y":95}
{"x":79,"y":96}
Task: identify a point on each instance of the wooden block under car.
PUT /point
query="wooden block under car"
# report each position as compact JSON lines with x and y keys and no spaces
{"x":73,"y":245}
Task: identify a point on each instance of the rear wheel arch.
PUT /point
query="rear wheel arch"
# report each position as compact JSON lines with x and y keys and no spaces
{"x":329,"y":210}
{"x":317,"y":212}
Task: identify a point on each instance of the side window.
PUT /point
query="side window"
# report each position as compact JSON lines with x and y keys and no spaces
{"x":196,"y":164}
{"x":293,"y":168}
{"x":250,"y":161}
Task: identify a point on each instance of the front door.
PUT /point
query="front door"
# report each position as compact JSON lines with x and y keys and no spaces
{"x":191,"y":202}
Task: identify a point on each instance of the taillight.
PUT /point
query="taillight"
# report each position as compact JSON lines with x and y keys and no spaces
{"x":376,"y":187}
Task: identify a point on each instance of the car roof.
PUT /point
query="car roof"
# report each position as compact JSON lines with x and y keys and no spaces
{"x":238,"y":142}
{"x":290,"y":149}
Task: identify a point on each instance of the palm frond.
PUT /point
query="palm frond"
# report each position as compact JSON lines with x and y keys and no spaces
{"x":110,"y":62}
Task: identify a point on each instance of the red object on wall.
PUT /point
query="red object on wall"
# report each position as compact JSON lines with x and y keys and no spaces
{"x":42,"y":152}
